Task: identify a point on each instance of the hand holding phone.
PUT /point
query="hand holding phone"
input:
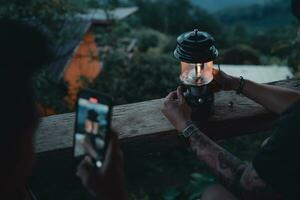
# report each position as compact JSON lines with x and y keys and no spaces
{"x":107,"y":182}
{"x":93,"y":116}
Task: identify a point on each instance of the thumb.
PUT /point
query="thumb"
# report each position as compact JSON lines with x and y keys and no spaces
{"x":216,"y":73}
{"x":113,"y":153}
{"x":84,"y":170}
{"x":84,"y":167}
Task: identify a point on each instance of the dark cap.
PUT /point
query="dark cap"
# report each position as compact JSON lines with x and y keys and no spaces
{"x":196,"y":47}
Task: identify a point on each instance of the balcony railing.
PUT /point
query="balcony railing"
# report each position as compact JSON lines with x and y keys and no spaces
{"x":142,"y":125}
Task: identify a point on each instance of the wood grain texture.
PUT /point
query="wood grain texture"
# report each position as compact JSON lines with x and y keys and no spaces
{"x":143,"y":124}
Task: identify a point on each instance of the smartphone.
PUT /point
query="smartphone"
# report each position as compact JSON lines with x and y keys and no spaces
{"x":92,"y":125}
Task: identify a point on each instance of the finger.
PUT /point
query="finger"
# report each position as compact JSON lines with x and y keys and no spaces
{"x":172,"y":95}
{"x":84,"y":164}
{"x":87,"y":173}
{"x":116,"y":148}
{"x":215,"y":72}
{"x":214,"y":86}
{"x":114,"y":142}
{"x":217,"y":78}
{"x":179,"y":94}
{"x":166,"y":103}
{"x":84,"y":169}
{"x":89,"y":149}
{"x":113,"y":153}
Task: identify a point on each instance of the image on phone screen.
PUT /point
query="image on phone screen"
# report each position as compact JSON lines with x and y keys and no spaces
{"x":91,"y":129}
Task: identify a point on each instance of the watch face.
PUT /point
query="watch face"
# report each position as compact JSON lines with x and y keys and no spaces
{"x":189,"y":131}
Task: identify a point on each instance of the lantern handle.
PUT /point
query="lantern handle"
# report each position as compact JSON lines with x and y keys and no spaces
{"x":219,"y":68}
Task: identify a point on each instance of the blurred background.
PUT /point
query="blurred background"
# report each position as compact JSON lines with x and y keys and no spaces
{"x":125,"y":48}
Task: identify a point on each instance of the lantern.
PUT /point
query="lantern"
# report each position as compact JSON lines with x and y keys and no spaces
{"x":196,"y":52}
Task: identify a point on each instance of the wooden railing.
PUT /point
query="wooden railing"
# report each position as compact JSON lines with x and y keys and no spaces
{"x":143,"y":125}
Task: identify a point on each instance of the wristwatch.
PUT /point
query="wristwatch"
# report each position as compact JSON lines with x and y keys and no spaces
{"x":189,"y":130}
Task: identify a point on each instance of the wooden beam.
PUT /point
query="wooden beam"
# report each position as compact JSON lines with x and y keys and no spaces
{"x":143,"y":123}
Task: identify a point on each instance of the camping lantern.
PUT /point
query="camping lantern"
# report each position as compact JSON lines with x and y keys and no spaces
{"x":196,"y":52}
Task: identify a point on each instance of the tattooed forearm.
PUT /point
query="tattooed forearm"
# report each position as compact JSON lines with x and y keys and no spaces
{"x":228,"y":168}
{"x":250,"y":180}
{"x":230,"y":165}
{"x":200,"y":141}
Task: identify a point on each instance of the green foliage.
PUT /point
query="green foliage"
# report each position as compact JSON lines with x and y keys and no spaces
{"x":240,"y":31}
{"x":258,"y":17}
{"x":149,"y":74}
{"x":145,"y":77}
{"x":269,"y":40}
{"x":192,"y":190}
{"x":165,"y":175}
{"x":50,"y":15}
{"x":49,"y":92}
{"x":143,"y":196}
{"x":171,"y":194}
{"x":112,"y":35}
{"x":174,"y":17}
{"x":240,"y":54}
{"x":42,"y":9}
{"x":170,"y":45}
{"x":112,"y":4}
{"x":294,"y":58}
{"x":295,"y":4}
{"x":147,"y":39}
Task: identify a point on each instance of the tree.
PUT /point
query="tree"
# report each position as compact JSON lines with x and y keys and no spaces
{"x":49,"y":16}
{"x":146,"y":39}
{"x":175,"y":17}
{"x":240,"y":31}
{"x":239,"y":55}
{"x":145,"y":77}
{"x":41,"y":9}
{"x":294,"y":58}
{"x":50,"y":93}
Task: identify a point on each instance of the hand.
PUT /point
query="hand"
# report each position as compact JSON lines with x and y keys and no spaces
{"x":107,"y":182}
{"x":223,"y":81}
{"x":176,"y":110}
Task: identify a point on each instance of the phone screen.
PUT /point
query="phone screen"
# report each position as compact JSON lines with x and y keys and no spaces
{"x":91,"y":128}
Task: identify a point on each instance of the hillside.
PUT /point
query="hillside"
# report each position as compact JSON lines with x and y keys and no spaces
{"x":262,"y":17}
{"x":216,"y":5}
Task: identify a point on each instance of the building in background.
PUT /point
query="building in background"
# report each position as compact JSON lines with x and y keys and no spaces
{"x":76,"y":60}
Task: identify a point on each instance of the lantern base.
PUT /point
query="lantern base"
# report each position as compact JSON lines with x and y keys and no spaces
{"x":200,"y":99}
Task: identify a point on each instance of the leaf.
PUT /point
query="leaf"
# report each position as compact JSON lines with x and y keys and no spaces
{"x":171,"y":194}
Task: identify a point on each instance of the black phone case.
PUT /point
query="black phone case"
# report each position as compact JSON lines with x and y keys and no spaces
{"x":104,"y":99}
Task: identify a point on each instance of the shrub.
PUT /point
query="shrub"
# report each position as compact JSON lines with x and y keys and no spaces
{"x":240,"y":54}
{"x":147,"y":76}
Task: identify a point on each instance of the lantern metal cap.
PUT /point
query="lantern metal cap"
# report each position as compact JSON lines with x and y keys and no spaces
{"x":196,"y":47}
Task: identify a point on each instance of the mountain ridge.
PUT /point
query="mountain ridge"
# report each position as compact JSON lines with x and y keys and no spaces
{"x":216,"y":5}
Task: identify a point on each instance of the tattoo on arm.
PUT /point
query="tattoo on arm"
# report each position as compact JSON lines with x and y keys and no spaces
{"x":231,"y":171}
{"x":250,"y":180}
{"x":201,"y":140}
